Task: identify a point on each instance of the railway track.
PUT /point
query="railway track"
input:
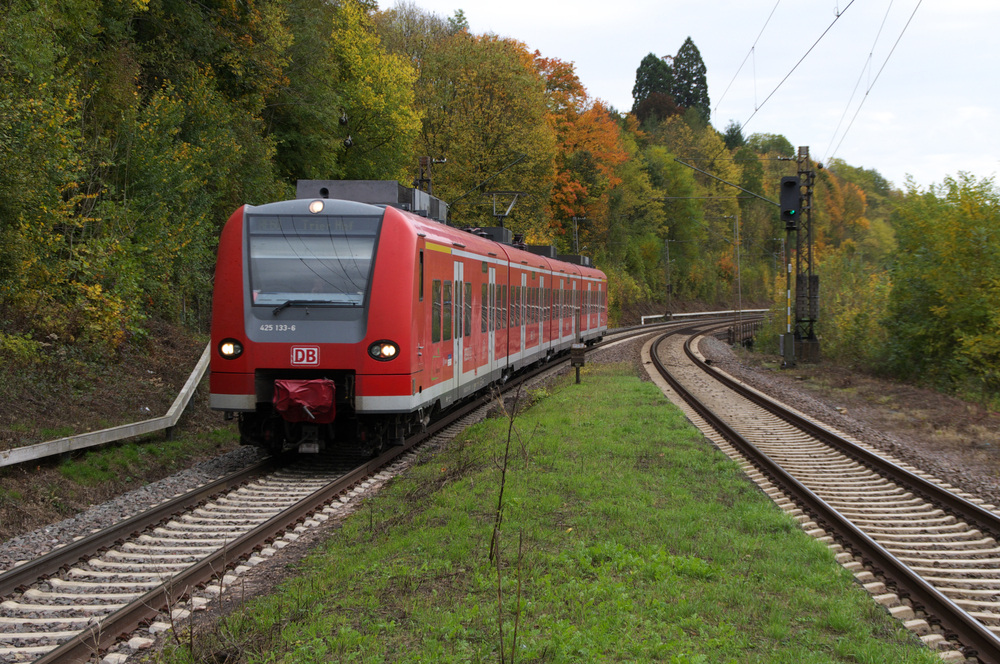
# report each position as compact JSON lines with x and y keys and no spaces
{"x":153,"y":569}
{"x":930,"y":554}
{"x":102,"y":590}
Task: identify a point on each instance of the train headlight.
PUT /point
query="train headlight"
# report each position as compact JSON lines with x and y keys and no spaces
{"x":230,"y":349}
{"x":383,"y":350}
{"x":316,"y":206}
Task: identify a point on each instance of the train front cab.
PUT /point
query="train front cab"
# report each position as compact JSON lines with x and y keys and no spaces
{"x":305,"y":290}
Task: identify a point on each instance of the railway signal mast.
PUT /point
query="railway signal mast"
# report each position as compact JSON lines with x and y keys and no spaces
{"x":796,"y":193}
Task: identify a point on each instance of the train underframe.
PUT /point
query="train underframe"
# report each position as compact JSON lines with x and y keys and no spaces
{"x":367,"y":434}
{"x":276,"y":427}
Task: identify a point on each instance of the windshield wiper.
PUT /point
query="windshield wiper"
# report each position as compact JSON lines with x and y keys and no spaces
{"x":296,"y":303}
{"x":304,"y":303}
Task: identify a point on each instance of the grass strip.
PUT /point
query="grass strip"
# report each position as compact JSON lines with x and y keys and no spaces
{"x":621,"y":536}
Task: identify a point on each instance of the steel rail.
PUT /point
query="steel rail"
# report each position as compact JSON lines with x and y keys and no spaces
{"x":959,"y":507}
{"x":99,"y":637}
{"x":82,"y":647}
{"x":57,"y":559}
{"x":975,"y":637}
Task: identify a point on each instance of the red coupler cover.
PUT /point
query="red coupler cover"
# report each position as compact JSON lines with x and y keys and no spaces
{"x":306,"y":400}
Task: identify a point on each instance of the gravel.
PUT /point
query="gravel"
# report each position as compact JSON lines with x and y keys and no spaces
{"x":963,"y":466}
{"x":40,"y":542}
{"x":948,"y":465}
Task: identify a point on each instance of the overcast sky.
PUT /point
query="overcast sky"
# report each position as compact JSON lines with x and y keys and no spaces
{"x":931,"y":112}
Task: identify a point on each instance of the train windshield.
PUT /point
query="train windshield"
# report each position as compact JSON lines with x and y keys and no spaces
{"x":310,"y":260}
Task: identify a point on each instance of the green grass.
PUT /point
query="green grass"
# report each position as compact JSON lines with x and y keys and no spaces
{"x":624,"y":538}
{"x":57,"y":432}
{"x":131,"y":461}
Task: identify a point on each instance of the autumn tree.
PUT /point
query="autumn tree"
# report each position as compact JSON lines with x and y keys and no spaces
{"x":377,"y":100}
{"x":484,"y":110}
{"x":407,"y":30}
{"x":588,"y":148}
{"x":629,"y":242}
{"x":656,"y":107}
{"x":760,"y":229}
{"x":304,"y":115}
{"x":771,"y":143}
{"x":943,"y":322}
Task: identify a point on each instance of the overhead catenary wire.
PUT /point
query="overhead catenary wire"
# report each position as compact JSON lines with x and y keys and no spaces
{"x":796,"y":65}
{"x":872,"y":84}
{"x":866,"y":67}
{"x":749,"y":53}
{"x":839,"y":14}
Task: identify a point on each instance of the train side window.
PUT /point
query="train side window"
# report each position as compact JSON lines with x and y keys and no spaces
{"x":496,"y":306}
{"x":485,"y":311}
{"x":493,"y":304}
{"x":503,"y":307}
{"x":514,"y":319}
{"x":436,"y":311}
{"x":520,"y":306}
{"x":421,"y":278}
{"x":468,"y":309}
{"x":459,"y":309}
{"x":518,"y":312}
{"x":510,"y":312}
{"x":447,"y":311}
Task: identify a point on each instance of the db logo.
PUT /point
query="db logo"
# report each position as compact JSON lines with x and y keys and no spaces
{"x":305,"y":355}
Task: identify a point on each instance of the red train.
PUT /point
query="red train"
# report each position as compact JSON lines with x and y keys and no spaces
{"x":335,"y":320}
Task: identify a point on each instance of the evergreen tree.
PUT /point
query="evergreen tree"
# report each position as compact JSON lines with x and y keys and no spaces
{"x":654,"y":75}
{"x":690,"y":88}
{"x":733,"y":136}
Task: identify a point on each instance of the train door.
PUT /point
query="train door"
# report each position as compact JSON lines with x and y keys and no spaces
{"x":491,"y":325}
{"x":524,"y":311}
{"x":567,"y":311}
{"x":458,"y":317}
{"x":540,"y":309}
{"x":576,"y":311}
{"x":420,"y":320}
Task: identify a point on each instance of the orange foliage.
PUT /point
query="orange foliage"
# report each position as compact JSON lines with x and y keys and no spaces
{"x":588,"y":143}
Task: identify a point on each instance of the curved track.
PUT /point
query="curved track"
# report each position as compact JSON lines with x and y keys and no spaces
{"x":937,"y":548}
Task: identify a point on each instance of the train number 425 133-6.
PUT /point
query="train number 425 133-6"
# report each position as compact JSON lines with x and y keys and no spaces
{"x":270,"y":327}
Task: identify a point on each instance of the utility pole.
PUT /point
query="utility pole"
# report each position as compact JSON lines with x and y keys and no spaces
{"x":576,"y":234}
{"x":800,"y":342}
{"x":739,"y":279}
{"x":670,"y":285}
{"x":424,"y":178}
{"x":806,"y":280}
